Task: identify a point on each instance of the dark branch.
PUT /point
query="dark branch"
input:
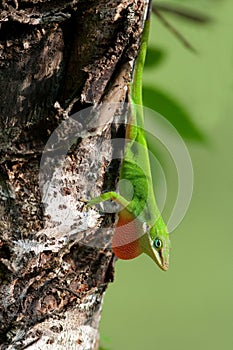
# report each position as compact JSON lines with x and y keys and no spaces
{"x":173,"y":30}
{"x":184,"y":13}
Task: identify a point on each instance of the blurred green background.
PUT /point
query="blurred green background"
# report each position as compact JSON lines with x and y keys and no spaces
{"x":191,"y":305}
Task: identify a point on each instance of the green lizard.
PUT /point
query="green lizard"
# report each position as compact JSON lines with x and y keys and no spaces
{"x":140,"y":227}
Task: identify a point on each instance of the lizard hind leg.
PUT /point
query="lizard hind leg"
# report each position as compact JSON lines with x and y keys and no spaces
{"x":109,"y":196}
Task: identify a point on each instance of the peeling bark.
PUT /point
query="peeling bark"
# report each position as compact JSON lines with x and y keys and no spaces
{"x":57,"y":58}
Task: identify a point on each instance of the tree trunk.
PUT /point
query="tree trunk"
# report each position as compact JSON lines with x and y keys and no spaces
{"x":57,"y":59}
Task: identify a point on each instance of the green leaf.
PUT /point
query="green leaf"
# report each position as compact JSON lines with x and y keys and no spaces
{"x":173,"y":112}
{"x":104,"y":340}
{"x":154,"y":57}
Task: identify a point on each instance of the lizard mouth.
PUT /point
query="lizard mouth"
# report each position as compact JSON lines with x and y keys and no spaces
{"x":159,"y":260}
{"x":164,"y":267}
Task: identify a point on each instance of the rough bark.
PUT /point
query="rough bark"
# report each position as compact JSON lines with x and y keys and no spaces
{"x":57,"y":58}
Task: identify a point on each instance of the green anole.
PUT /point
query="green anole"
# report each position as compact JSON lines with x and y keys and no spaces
{"x":140,"y":227}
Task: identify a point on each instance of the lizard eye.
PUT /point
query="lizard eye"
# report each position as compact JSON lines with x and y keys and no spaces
{"x":158,"y":243}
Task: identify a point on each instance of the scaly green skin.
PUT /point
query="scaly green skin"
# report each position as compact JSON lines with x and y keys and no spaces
{"x":139,"y":219}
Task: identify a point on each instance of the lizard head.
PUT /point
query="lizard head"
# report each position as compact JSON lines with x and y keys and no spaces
{"x":158,"y":246}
